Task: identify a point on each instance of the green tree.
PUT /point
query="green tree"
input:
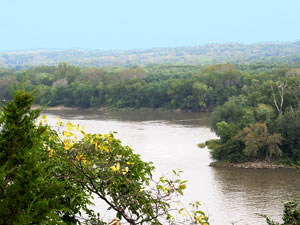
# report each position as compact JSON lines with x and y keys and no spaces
{"x":264,"y":113}
{"x":47,"y":177}
{"x":101,"y":165}
{"x":203,"y":94}
{"x":288,"y":125}
{"x":29,"y":191}
{"x":233,"y":111}
{"x":259,"y":143}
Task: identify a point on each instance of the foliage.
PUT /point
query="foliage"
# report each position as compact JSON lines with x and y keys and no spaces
{"x":258,"y":142}
{"x":187,"y":87}
{"x":262,"y":123}
{"x":49,"y":176}
{"x":101,"y":165}
{"x":233,"y":111}
{"x":236,"y":53}
{"x":288,"y":125}
{"x":30,"y":193}
{"x":239,"y":95}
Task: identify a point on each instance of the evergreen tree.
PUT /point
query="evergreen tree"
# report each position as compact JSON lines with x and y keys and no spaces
{"x":30,"y":193}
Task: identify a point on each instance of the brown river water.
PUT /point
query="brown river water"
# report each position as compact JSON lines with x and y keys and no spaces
{"x":169,"y":140}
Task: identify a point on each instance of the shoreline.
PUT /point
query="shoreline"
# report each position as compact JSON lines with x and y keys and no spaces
{"x":58,"y":108}
{"x":250,"y":165}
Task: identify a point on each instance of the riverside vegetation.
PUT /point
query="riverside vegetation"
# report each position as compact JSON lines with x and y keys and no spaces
{"x":256,"y":117}
{"x":48,"y":176}
{"x":256,"y":106}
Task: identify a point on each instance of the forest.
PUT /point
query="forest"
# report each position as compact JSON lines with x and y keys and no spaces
{"x":184,"y":87}
{"x":256,"y":107}
{"x":54,"y":172}
{"x":255,"y":113}
{"x":206,"y":54}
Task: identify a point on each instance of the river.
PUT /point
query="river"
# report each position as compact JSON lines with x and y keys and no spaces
{"x":169,"y":139}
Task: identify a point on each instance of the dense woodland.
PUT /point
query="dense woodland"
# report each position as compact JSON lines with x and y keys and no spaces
{"x":237,"y":53}
{"x":256,"y":114}
{"x":256,"y":107}
{"x":186,"y":87}
{"x":262,"y":122}
{"x":53,"y":174}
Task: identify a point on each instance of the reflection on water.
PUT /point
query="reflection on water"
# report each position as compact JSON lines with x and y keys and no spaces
{"x":183,"y":118}
{"x":169,"y":140}
{"x":250,"y":191}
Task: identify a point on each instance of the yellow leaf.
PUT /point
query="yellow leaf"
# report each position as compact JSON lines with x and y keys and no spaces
{"x":69,"y":126}
{"x":68,"y":144}
{"x":67,"y":134}
{"x":105,"y":148}
{"x":81,"y":158}
{"x":59,"y":122}
{"x":50,"y":152}
{"x":113,"y":168}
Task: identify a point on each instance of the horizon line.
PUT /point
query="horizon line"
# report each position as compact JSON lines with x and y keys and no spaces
{"x":144,"y":49}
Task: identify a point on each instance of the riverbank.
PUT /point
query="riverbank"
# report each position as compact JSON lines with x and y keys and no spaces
{"x":59,"y":108}
{"x":250,"y":165}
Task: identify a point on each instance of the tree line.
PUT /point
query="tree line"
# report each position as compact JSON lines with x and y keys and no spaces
{"x":54,"y":172}
{"x":206,"y":54}
{"x":185,"y":87}
{"x":256,"y":106}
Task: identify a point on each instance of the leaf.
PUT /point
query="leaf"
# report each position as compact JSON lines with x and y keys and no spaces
{"x":119,"y":215}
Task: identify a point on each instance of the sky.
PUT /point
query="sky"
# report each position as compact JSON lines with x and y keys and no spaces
{"x":131,"y":24}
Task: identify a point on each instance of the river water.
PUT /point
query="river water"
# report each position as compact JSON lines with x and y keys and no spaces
{"x":169,"y":139}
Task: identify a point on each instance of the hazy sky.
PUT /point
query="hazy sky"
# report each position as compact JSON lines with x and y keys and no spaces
{"x":127,"y":24}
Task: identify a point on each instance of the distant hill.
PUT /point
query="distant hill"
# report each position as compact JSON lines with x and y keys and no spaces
{"x":236,"y":53}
